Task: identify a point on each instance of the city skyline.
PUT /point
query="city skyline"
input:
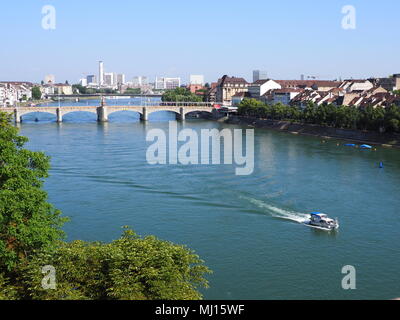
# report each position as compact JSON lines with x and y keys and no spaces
{"x":299,"y":38}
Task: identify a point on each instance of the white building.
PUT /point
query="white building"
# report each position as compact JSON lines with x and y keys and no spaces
{"x":109,"y":79}
{"x":120,"y":79}
{"x":91,"y":80}
{"x":140,"y":81}
{"x":197,"y":79}
{"x":284,"y":96}
{"x":167,"y":83}
{"x":83,"y":82}
{"x":260,"y":87}
{"x":13,"y":92}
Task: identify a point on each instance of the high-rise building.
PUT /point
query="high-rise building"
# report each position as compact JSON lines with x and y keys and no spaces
{"x":139,"y":81}
{"x":91,"y":80}
{"x":120,"y":79}
{"x":197,"y":79}
{"x":101,"y":73}
{"x":109,"y":79}
{"x":259,"y":75}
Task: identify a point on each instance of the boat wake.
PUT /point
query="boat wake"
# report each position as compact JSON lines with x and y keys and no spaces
{"x":279,"y":212}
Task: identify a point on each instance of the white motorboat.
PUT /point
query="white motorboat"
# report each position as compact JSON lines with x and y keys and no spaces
{"x":321,"y":220}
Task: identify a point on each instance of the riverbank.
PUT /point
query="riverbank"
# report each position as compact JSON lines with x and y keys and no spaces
{"x":375,"y":138}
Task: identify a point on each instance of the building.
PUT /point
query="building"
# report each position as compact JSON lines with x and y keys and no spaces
{"x":49,"y":79}
{"x":197,"y":80}
{"x":91,"y":80}
{"x":167,"y":83}
{"x":228,"y":87}
{"x":139,"y":81}
{"x":109,"y":79}
{"x":320,"y":85}
{"x":120,"y":79}
{"x":193,"y":88}
{"x":83,"y":82}
{"x":356,"y":85}
{"x":62,"y":88}
{"x":101,"y":73}
{"x":259,"y":75}
{"x":14,"y":91}
{"x":390,"y":84}
{"x":284,"y":96}
{"x":260,"y":87}
{"x":238,"y":98}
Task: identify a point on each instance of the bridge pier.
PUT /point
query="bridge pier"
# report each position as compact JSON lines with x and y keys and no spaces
{"x":102,"y":114}
{"x":17,"y":116}
{"x":144,"y":116}
{"x":182,"y":116}
{"x":59,"y":115}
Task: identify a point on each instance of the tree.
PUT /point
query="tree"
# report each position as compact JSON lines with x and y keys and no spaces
{"x":180,"y":95}
{"x":27,"y":221}
{"x":133,"y":91}
{"x":36,"y":93}
{"x":130,"y":268}
{"x":30,"y":238}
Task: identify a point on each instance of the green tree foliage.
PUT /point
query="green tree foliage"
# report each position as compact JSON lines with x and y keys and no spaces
{"x":30,"y":231}
{"x":133,"y":91}
{"x":27,"y":221}
{"x":180,"y":95}
{"x":130,"y":268}
{"x":36,"y":93}
{"x":79,"y":89}
{"x":369,"y":118}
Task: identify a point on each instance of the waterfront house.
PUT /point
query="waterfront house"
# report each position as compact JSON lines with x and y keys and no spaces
{"x":356,"y":85}
{"x":62,"y":88}
{"x":260,"y":87}
{"x":284,"y":96}
{"x":228,"y":87}
{"x":318,"y":85}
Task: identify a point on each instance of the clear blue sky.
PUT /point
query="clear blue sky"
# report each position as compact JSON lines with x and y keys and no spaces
{"x":177,"y":38}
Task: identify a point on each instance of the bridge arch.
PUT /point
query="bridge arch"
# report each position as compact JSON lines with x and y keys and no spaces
{"x":128,"y":114}
{"x":24,"y":116}
{"x":90,"y":115}
{"x":186,"y":112}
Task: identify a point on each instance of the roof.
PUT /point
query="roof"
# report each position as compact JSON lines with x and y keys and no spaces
{"x":308,"y":83}
{"x":287,"y":90}
{"x":260,"y":82}
{"x":231,"y":80}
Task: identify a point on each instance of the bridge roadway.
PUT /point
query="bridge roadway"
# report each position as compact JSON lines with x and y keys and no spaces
{"x":102,"y":112}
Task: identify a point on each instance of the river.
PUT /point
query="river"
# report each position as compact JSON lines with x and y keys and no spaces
{"x":246,"y":228}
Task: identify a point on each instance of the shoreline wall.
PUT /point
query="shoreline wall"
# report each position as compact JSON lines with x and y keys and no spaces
{"x":386,"y":139}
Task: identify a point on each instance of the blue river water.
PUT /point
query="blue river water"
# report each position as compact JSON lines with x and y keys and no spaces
{"x":246,"y":228}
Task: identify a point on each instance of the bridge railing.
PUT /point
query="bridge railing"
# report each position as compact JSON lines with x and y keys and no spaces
{"x":140,"y":104}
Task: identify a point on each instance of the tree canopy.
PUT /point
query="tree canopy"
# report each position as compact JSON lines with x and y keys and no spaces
{"x":180,"y":95}
{"x":368,"y":118}
{"x":36,"y":93}
{"x":129,"y":268}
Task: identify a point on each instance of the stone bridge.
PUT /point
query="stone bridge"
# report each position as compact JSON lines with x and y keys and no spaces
{"x":102,"y":112}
